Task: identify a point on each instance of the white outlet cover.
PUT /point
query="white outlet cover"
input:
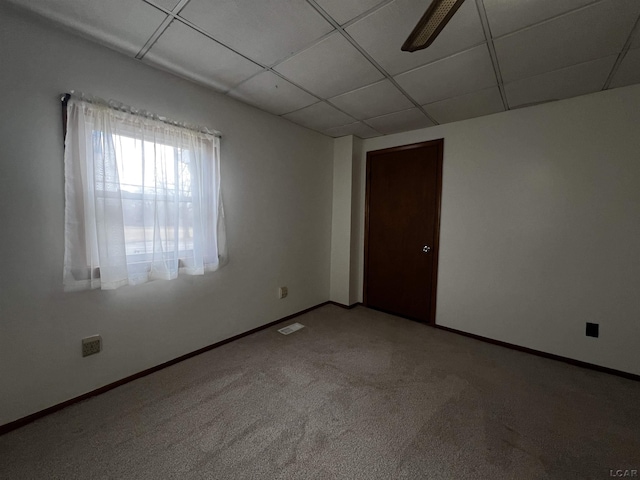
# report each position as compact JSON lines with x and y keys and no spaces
{"x":91,"y":345}
{"x":294,"y":327}
{"x":91,"y":339}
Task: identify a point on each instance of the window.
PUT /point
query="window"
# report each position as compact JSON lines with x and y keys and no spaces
{"x":142,"y":198}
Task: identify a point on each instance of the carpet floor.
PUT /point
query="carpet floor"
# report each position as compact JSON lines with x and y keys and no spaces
{"x":356,"y":394}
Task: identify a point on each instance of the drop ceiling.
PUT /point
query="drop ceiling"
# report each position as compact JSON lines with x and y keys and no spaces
{"x":335,"y":66}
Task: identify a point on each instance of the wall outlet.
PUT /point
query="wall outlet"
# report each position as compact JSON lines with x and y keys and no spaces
{"x":592,"y":329}
{"x":91,"y":345}
{"x":283,"y":292}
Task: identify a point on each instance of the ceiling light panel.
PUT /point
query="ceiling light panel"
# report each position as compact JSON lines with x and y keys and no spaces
{"x":593,"y":32}
{"x":462,"y":73}
{"x":331,"y":67}
{"x":567,"y":82}
{"x":471,"y":105}
{"x":319,"y":116}
{"x":431,"y":24}
{"x":372,"y":101}
{"x":188,"y":52}
{"x":266,"y":31}
{"x":506,"y":16}
{"x":120,"y":24}
{"x":271,"y":93}
{"x":404,"y":121}
{"x":383,"y":32}
{"x":628,"y":72}
{"x":358,"y":129}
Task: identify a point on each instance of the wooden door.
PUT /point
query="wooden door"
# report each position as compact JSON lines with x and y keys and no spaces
{"x":402,"y":222}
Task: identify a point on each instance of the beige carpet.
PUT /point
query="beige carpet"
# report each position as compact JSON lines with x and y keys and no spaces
{"x":356,"y":394}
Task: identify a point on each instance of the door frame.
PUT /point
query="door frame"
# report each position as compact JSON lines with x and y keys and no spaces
{"x":436,"y":242}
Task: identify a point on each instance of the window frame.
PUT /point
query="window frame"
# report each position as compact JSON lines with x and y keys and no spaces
{"x":204,"y":261}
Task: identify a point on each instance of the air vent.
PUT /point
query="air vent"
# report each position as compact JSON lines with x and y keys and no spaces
{"x":294,"y":327}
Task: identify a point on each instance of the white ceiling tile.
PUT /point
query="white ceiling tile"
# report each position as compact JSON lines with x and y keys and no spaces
{"x":358,"y":129}
{"x":635,"y":43}
{"x":547,"y":49}
{"x":168,"y":4}
{"x":471,"y":105}
{"x":319,"y":116}
{"x":506,"y":15}
{"x":404,"y":121}
{"x":331,"y":67}
{"x":629,"y":70}
{"x":269,"y":92}
{"x":592,"y":32}
{"x":383,"y":32}
{"x":462,"y":73}
{"x":372,"y":101}
{"x":188,"y":52}
{"x":122,"y":24}
{"x":265,"y":30}
{"x":567,"y":82}
{"x":342,"y":11}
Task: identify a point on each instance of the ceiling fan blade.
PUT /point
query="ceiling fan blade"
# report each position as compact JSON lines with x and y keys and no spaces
{"x":431,"y":24}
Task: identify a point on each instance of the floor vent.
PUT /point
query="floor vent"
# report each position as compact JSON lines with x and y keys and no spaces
{"x":291,"y":328}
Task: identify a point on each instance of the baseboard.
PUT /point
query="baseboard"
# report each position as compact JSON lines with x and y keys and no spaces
{"x":34,"y":416}
{"x":342,"y":305}
{"x":571,"y":361}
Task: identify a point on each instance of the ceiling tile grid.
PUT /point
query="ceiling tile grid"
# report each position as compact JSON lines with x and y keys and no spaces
{"x":471,"y":105}
{"x":383,"y":32}
{"x":335,"y":66}
{"x":320,"y":116}
{"x":198,"y":57}
{"x":342,"y":11}
{"x":273,"y":94}
{"x":358,"y":129}
{"x":506,"y":16}
{"x":403,"y":121}
{"x":462,"y":73}
{"x":315,"y":68}
{"x":265,"y":30}
{"x":168,"y":4}
{"x":372,"y":101}
{"x":592,"y":32}
{"x":628,"y":72}
{"x":564,"y":83}
{"x":120,"y":24}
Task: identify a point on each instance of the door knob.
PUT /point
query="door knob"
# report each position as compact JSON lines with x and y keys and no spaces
{"x":426,"y":249}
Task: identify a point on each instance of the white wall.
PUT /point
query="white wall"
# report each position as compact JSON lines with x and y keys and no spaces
{"x":541,"y":226}
{"x":341,"y":220}
{"x":345,"y":232}
{"x":357,"y":215}
{"x":277,"y":182}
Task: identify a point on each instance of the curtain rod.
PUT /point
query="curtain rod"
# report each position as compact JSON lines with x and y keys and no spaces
{"x":65,"y":97}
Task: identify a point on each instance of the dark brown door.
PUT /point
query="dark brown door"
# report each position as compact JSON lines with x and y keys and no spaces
{"x":402,"y":228}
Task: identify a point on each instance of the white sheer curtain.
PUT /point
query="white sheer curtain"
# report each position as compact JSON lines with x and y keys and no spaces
{"x":142,"y":198}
